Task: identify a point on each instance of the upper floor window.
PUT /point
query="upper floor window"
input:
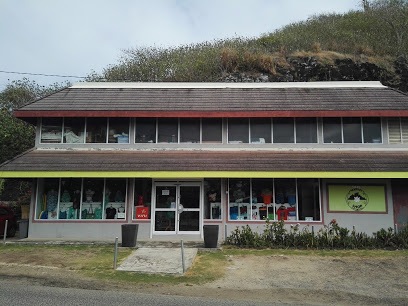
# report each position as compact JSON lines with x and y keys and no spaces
{"x":74,"y":130}
{"x":398,"y":130}
{"x":352,"y":130}
{"x":260,"y":130}
{"x":145,"y":130}
{"x":167,"y":130}
{"x":118,"y":130}
{"x":190,"y":130}
{"x":211,"y":130}
{"x":51,"y":130}
{"x":238,"y":130}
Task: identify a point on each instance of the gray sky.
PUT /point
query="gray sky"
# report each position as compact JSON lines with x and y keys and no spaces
{"x":74,"y":37}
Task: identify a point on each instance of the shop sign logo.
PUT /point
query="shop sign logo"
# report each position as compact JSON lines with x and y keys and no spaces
{"x":357,"y":199}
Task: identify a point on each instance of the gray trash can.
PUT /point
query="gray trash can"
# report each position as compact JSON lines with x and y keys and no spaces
{"x":129,"y":235}
{"x":210,"y":236}
{"x":23,"y":228}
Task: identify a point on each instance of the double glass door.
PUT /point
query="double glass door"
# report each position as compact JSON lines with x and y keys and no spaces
{"x":177,"y":208}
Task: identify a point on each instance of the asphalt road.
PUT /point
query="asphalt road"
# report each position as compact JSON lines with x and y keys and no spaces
{"x":13,"y":293}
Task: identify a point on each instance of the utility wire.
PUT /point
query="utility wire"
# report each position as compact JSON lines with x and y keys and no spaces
{"x":43,"y":74}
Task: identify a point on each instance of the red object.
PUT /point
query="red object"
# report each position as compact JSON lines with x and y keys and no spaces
{"x":282,"y":213}
{"x":267,"y":199}
{"x":140,"y":201}
{"x":142,"y":212}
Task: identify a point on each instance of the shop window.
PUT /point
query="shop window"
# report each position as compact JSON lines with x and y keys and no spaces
{"x":145,"y":130}
{"x":74,"y":129}
{"x":308,"y":198}
{"x":262,"y":198}
{"x":212,"y":199}
{"x":260,"y":130}
{"x":51,"y":130}
{"x":306,"y":130}
{"x":47,"y":199}
{"x":239,"y":199}
{"x":118,"y":130}
{"x":332,"y":130}
{"x":352,"y":130}
{"x":143,"y":199}
{"x":274,"y":199}
{"x":92,"y":199}
{"x":70,"y":198}
{"x":238,"y":130}
{"x":211,"y":130}
{"x":96,"y":130}
{"x":190,"y":130}
{"x":372,"y":130}
{"x":114,"y":199}
{"x":283,"y":130}
{"x":168,"y":130}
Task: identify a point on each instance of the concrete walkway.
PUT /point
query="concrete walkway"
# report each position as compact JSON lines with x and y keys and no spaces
{"x":159,"y":260}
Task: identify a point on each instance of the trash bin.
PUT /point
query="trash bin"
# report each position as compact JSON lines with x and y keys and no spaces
{"x":23,"y":228}
{"x":210,"y":236}
{"x":129,"y":235}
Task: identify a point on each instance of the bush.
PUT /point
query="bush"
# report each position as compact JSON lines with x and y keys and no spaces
{"x":331,"y":236}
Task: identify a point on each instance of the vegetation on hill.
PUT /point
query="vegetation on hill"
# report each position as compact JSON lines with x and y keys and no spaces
{"x":376,"y":34}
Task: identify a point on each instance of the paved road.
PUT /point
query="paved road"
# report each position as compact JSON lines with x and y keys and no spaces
{"x":12,"y":293}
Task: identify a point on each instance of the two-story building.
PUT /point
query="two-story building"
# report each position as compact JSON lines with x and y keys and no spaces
{"x":173,"y":157}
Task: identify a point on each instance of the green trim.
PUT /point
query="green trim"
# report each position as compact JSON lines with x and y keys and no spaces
{"x":202,"y":174}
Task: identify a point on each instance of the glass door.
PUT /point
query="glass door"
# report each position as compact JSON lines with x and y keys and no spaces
{"x":177,"y":208}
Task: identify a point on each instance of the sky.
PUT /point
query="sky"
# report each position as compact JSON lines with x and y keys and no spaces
{"x":76,"y":37}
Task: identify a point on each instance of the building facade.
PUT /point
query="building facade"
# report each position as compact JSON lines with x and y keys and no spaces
{"x":173,"y":157}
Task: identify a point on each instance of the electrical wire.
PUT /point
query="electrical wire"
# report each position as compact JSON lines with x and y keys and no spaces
{"x":43,"y":74}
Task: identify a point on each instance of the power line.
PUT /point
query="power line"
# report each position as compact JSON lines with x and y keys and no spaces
{"x":43,"y":74}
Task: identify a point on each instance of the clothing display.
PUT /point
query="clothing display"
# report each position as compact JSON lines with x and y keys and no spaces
{"x":110,"y":213}
{"x":52,"y":200}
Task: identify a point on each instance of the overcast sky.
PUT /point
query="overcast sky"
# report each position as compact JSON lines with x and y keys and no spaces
{"x":74,"y":37}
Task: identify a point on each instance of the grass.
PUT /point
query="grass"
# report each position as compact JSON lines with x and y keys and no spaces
{"x":96,"y":261}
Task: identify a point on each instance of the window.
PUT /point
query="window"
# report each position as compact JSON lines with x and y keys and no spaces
{"x":74,"y":129}
{"x":274,"y":199}
{"x":352,"y":130}
{"x":51,"y":130}
{"x":145,"y":130}
{"x":168,"y":130}
{"x":212,"y":199}
{"x":238,"y":130}
{"x":372,"y":130}
{"x":283,"y":130}
{"x":143,"y":199}
{"x":190,"y":130}
{"x":306,"y":130}
{"x":118,"y":130}
{"x":260,"y":130}
{"x":96,"y":130}
{"x":211,"y":130}
{"x":76,"y":198}
{"x":332,"y":130}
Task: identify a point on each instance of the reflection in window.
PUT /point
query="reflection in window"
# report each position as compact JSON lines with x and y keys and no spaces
{"x":306,"y":130}
{"x":238,"y":130}
{"x":168,"y":130}
{"x":260,"y":130}
{"x":51,"y":130}
{"x":283,"y":130}
{"x":74,"y":130}
{"x":143,"y":198}
{"x":352,"y":130}
{"x":212,"y":199}
{"x":145,"y":130}
{"x":190,"y":130}
{"x":332,"y":130}
{"x":118,"y":130}
{"x":96,"y":130}
{"x":211,"y":130}
{"x":372,"y":130}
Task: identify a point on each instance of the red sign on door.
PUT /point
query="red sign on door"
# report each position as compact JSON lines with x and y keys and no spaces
{"x":142,"y":212}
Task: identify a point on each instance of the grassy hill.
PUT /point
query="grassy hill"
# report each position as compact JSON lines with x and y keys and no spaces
{"x":366,"y":44}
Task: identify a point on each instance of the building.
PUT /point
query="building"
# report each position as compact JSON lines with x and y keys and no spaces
{"x":173,"y":157}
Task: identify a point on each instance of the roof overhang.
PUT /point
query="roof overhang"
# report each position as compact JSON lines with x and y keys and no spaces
{"x":199,"y":164}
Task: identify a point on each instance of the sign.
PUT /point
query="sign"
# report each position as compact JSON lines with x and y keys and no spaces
{"x":165,"y":192}
{"x":142,"y":212}
{"x":351,"y":198}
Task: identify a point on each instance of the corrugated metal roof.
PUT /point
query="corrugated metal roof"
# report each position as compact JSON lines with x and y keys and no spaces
{"x":219,"y":100}
{"x":92,"y":160}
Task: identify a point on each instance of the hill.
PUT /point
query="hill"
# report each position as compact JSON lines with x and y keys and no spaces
{"x":366,"y":44}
